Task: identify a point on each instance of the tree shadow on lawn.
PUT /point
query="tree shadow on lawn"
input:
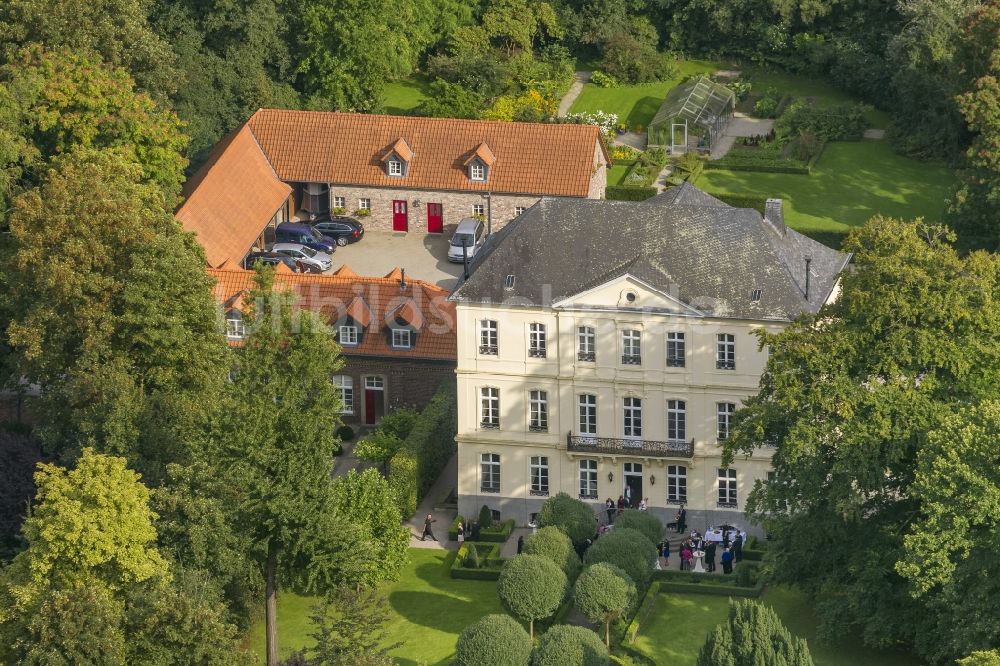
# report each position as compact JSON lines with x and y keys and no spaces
{"x":642,"y":112}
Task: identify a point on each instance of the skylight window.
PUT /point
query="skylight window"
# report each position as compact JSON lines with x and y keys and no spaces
{"x":508,"y":282}
{"x":755,"y":295}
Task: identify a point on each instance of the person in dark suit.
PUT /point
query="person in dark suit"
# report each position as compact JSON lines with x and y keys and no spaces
{"x":520,"y":544}
{"x":610,"y":506}
{"x":682,"y":520}
{"x":738,"y":547}
{"x":710,"y":555}
{"x":474,"y":530}
{"x":427,"y":528}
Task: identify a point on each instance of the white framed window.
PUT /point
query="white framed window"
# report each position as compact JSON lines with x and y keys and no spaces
{"x":364,"y":204}
{"x":538,"y":411}
{"x":632,"y":416}
{"x":488,"y":337}
{"x":677,"y":484}
{"x":346,"y":385}
{"x":588,"y":479}
{"x":477,"y":171}
{"x":676,"y":420}
{"x":339,"y":202}
{"x":536,"y":340}
{"x":724,"y":417}
{"x":402,"y":338}
{"x":727,"y":488}
{"x":395,"y":167}
{"x":631,"y":347}
{"x":348,"y":335}
{"x":489,"y":466}
{"x":519,"y":210}
{"x":586,"y":344}
{"x":489,"y":408}
{"x":235,"y":330}
{"x":539,"y":468}
{"x":588,"y":414}
{"x":375,"y":383}
{"x":725,"y":351}
{"x":675,"y":349}
{"x":478,"y":210}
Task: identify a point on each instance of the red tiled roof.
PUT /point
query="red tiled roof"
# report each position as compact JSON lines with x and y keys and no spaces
{"x":484,"y":154}
{"x":426,"y":306}
{"x":347,"y":148}
{"x":401,"y":148}
{"x":231,"y":198}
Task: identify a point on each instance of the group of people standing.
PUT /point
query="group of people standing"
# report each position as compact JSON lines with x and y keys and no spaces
{"x":732,"y":552}
{"x":623,"y":503}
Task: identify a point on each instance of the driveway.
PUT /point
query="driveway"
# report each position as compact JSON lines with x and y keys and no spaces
{"x":422,"y":256}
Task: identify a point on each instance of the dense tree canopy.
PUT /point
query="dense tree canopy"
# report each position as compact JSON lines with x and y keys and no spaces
{"x":573,"y":517}
{"x":603,"y":593}
{"x":495,"y":640}
{"x":753,"y":634}
{"x":531,"y":587}
{"x":566,"y":645}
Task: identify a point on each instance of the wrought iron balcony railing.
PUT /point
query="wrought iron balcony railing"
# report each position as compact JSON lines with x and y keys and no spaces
{"x":586,"y":356}
{"x":634,"y":447}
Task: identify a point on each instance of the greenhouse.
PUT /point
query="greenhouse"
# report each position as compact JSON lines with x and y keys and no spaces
{"x":693,"y":116}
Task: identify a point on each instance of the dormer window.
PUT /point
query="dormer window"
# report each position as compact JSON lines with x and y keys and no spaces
{"x":348,"y":336}
{"x":397,"y":158}
{"x":234,"y":325}
{"x":402,"y":338}
{"x":395,"y":167}
{"x":477,"y":171}
{"x":480,"y":162}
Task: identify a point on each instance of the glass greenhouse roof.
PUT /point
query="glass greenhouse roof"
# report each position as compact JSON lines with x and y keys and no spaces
{"x":699,"y":101}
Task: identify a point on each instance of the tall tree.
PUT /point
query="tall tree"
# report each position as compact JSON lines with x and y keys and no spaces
{"x":603,"y":593}
{"x":753,"y":634}
{"x":275,"y":445}
{"x":847,"y":397}
{"x":349,"y":629}
{"x":112,"y":314}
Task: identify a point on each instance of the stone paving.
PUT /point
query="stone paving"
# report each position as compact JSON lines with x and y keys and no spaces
{"x":447,"y":482}
{"x":422,"y":256}
{"x":574,"y":91}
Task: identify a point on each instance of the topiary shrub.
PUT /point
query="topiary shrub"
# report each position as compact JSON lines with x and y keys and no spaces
{"x":574,"y":518}
{"x":753,"y":634}
{"x":550,"y":542}
{"x":627,"y":549}
{"x":599,"y":78}
{"x":485,"y":518}
{"x":642,"y":521}
{"x":531,"y":587}
{"x":566,"y":645}
{"x":471,"y":556}
{"x":604,"y":593}
{"x":496,"y":640}
{"x":345,"y":433}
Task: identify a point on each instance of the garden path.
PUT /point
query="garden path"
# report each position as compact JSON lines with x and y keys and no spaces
{"x":740,"y":125}
{"x":447,"y":482}
{"x":636,"y":140}
{"x":874,"y":134}
{"x":573,"y":92}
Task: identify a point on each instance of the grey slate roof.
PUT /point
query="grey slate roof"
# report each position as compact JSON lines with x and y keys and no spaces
{"x":683,"y":242}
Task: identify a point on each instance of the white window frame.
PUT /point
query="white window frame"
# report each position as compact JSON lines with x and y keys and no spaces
{"x":489,"y":408}
{"x":631,"y":346}
{"x":728,"y":489}
{"x":676,"y":421}
{"x":538,"y":476}
{"x":725,"y":351}
{"x":364,"y":204}
{"x":676,"y":484}
{"x":724,"y":419}
{"x":538,"y":410}
{"x":489,"y":472}
{"x":536,"y":340}
{"x":588,"y":478}
{"x":477,"y":171}
{"x":339,"y":202}
{"x":348,"y":336}
{"x":519,"y":210}
{"x":402,"y":338}
{"x":375,"y":382}
{"x":478,"y":210}
{"x":587,"y":411}
{"x":489,"y":337}
{"x":586,"y":344}
{"x":345,"y":383}
{"x":235,"y":328}
{"x":676,"y":349}
{"x":632,"y":418}
{"x":394,"y":167}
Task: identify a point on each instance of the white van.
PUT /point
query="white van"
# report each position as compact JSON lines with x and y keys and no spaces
{"x":470,"y":231}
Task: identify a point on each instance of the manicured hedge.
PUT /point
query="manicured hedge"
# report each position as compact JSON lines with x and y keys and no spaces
{"x":698,"y":583}
{"x":717,"y":590}
{"x":622,"y":193}
{"x":645,"y":608}
{"x":703,"y":578}
{"x":425,"y":452}
{"x":489,"y":557}
{"x":498,"y":533}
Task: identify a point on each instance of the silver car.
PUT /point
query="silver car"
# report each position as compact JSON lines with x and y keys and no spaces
{"x":307,"y":256}
{"x":471,"y":233}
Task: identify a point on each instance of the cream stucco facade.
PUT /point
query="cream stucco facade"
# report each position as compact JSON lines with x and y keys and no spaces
{"x":609,"y":421}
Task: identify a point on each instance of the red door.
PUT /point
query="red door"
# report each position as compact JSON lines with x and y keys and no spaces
{"x":435,"y":219}
{"x":370,"y":396}
{"x":399,"y":221}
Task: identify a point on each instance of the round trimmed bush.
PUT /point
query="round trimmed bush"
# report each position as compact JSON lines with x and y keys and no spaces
{"x":574,"y":518}
{"x":531,"y":587}
{"x":603,"y":593}
{"x":551,"y":543}
{"x":566,"y":645}
{"x":496,"y":640}
{"x":643,"y":521}
{"x":627,"y":549}
{"x":345,"y":433}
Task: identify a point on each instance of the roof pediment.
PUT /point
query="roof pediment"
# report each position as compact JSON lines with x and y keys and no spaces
{"x":399,"y":148}
{"x":628,"y":292}
{"x":483,"y":153}
{"x":359,"y":311}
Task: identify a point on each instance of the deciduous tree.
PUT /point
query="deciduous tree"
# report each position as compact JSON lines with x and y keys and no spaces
{"x":552,"y":543}
{"x":603,"y":593}
{"x":495,"y":640}
{"x":571,"y":516}
{"x":628,"y":549}
{"x":350,"y":629}
{"x":531,"y":587}
{"x":567,"y":645}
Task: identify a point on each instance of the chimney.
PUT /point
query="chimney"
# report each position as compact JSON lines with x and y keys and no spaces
{"x":775,"y":215}
{"x":808,"y":261}
{"x":402,"y":279}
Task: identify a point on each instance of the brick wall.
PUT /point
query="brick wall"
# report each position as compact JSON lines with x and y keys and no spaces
{"x":408,"y":382}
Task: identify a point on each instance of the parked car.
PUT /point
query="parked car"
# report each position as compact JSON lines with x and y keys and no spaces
{"x":304,"y":234}
{"x":344,"y":230}
{"x":472,"y":233}
{"x":308,"y":256}
{"x":272,"y":259}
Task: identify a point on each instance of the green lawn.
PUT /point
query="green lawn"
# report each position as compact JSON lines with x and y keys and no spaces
{"x":806,"y":86}
{"x":679,"y":624}
{"x":428,"y":611}
{"x":636,"y":105}
{"x":616,"y":173}
{"x":852,"y":182}
{"x":403,"y":96}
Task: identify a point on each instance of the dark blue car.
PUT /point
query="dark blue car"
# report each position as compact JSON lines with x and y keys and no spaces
{"x":304,"y":234}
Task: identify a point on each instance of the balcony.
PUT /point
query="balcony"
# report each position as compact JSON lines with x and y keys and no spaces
{"x":488,"y":350}
{"x":536,"y":352}
{"x":725,"y":365}
{"x":590,"y":357}
{"x":631,"y":359}
{"x":675,"y":362}
{"x":629,"y":447}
